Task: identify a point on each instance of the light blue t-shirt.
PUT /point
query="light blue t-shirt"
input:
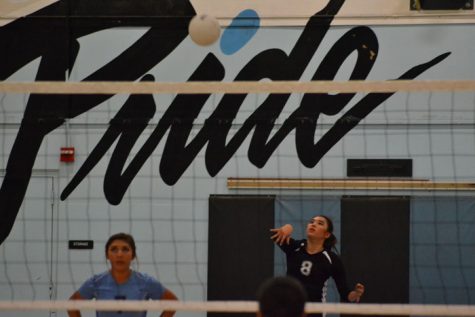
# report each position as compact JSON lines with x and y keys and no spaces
{"x":139,"y":286}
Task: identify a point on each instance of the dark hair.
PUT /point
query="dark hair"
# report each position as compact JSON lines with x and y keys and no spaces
{"x":329,"y":242}
{"x":127,"y":238}
{"x":282,"y":297}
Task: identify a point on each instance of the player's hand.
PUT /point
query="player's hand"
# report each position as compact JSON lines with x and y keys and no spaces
{"x":167,"y":314}
{"x":282,"y":235}
{"x":356,"y":294}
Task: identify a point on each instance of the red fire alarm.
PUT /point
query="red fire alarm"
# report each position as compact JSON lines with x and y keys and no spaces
{"x":67,"y":154}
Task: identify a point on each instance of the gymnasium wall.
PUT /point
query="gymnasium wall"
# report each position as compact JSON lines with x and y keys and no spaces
{"x":147,"y":164}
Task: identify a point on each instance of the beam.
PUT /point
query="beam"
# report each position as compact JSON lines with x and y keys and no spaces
{"x":359,"y":184}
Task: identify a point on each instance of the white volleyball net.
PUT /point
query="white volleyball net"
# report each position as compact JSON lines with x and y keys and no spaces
{"x":433,"y":128}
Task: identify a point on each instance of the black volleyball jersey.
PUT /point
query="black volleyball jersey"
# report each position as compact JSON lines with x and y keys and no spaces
{"x":313,"y":270}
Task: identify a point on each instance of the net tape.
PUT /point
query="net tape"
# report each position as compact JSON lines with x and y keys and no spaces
{"x":238,"y":307}
{"x":238,"y":87}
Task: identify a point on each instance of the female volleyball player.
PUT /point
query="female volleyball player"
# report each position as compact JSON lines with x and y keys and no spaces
{"x":312,"y":261}
{"x":121,"y":282}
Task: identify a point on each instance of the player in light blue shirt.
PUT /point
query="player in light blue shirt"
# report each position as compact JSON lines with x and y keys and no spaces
{"x":121,"y":282}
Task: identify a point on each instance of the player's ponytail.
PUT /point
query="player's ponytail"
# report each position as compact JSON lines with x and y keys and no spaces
{"x":330,"y":242}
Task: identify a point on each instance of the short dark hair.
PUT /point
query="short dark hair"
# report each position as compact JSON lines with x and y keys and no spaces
{"x":282,"y":297}
{"x":127,"y":238}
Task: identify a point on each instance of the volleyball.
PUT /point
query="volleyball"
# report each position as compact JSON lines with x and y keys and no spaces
{"x":204,"y":29}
